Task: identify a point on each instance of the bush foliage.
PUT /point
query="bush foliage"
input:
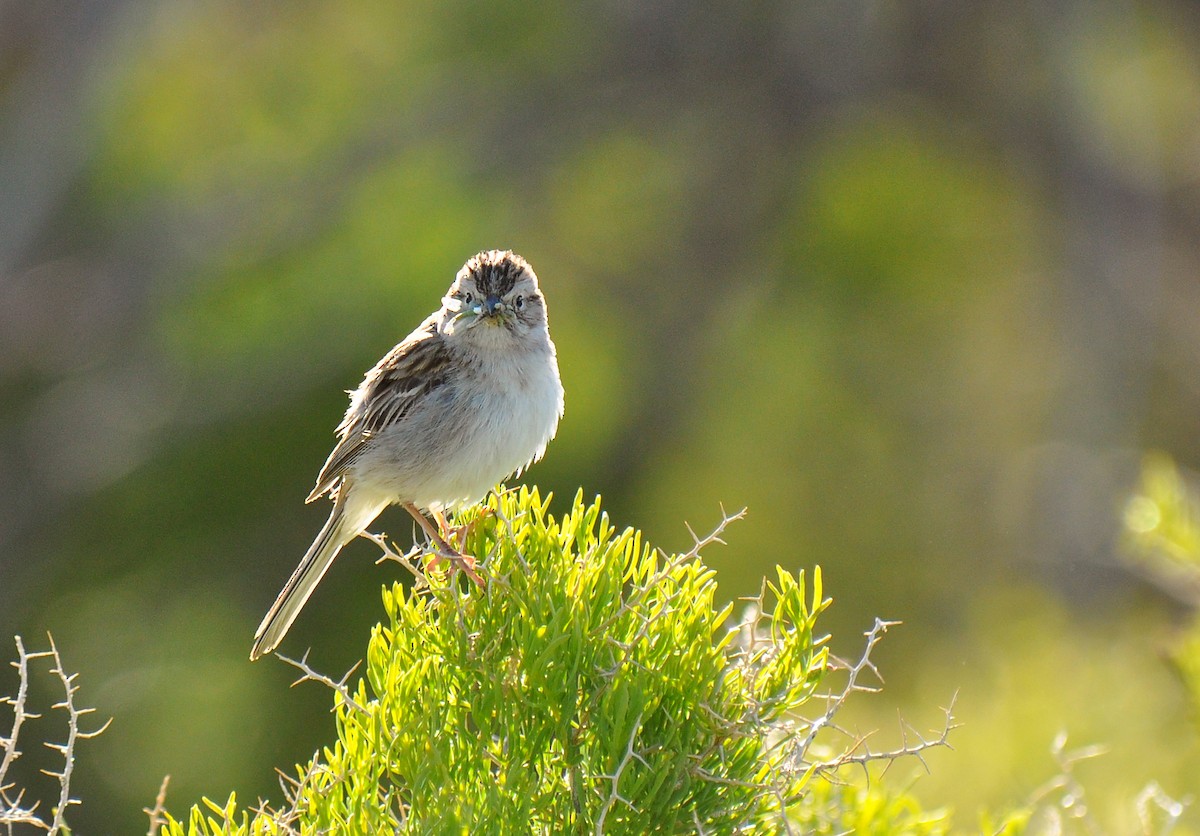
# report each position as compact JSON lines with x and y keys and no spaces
{"x":592,"y":686}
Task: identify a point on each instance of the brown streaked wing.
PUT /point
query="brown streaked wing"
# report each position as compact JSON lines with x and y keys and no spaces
{"x":407,"y":373}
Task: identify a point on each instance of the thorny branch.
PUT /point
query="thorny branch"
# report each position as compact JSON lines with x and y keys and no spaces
{"x":1064,"y":798}
{"x":796,"y":738}
{"x":11,"y":810}
{"x":293,"y":793}
{"x":860,"y":755}
{"x":654,"y":584}
{"x":835,"y":700}
{"x":913,"y":744}
{"x":1065,"y":780}
{"x":310,"y":675}
{"x":700,"y":543}
{"x":157,"y":813}
{"x":614,"y":794}
{"x":1153,"y":797}
{"x":406,"y":559}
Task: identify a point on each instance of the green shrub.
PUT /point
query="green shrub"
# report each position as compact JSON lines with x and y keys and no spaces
{"x":592,"y":687}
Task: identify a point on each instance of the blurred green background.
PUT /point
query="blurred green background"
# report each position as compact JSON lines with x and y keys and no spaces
{"x":919,"y":283}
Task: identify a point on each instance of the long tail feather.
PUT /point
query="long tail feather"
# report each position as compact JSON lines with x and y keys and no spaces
{"x":301,"y":584}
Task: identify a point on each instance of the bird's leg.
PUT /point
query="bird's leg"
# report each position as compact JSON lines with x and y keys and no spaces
{"x":444,"y":551}
{"x":443,"y":524}
{"x":458,"y":533}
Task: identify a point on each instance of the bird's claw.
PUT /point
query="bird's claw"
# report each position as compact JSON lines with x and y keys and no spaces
{"x":458,"y":534}
{"x":458,"y":562}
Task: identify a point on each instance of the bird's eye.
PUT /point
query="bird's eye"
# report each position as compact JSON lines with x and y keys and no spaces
{"x":468,"y":298}
{"x":519,"y":302}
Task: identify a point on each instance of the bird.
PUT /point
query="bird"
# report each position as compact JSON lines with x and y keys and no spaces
{"x":469,"y":398}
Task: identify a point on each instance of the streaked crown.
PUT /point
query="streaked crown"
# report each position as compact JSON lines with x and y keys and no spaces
{"x":495,"y":271}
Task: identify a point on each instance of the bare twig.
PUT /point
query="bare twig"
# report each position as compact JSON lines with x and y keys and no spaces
{"x":860,"y":755}
{"x":293,"y":794}
{"x":11,"y":799}
{"x":795,"y":738}
{"x":288,"y":816}
{"x":158,"y":811}
{"x":409,"y":559}
{"x":310,"y":675}
{"x":74,"y":734}
{"x":12,"y":811}
{"x":835,"y":701}
{"x":669,"y":564}
{"x":1063,"y":797}
{"x":699,"y":543}
{"x":1153,"y":797}
{"x":614,"y":794}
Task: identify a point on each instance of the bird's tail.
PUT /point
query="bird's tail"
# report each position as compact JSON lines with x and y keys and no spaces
{"x":304,"y":580}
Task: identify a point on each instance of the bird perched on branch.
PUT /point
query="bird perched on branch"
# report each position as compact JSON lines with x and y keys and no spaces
{"x":470,"y":397}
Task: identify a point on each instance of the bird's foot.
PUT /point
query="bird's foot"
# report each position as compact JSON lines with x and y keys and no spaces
{"x":441,"y":550}
{"x":458,"y":562}
{"x":458,"y":534}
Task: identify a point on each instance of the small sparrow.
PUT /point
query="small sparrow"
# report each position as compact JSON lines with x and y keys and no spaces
{"x":470,"y":397}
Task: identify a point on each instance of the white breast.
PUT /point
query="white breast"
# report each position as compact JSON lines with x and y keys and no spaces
{"x":505,"y":412}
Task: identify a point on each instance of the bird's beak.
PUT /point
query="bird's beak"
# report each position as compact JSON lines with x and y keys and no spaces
{"x":492,"y":305}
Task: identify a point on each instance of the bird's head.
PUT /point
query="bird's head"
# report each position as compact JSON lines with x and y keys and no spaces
{"x":497,"y":291}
